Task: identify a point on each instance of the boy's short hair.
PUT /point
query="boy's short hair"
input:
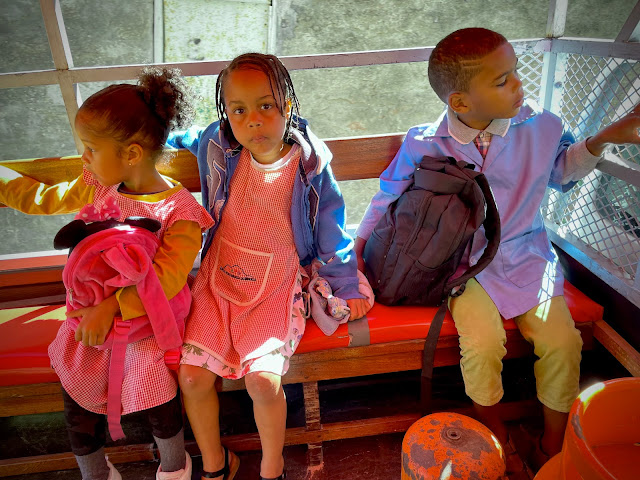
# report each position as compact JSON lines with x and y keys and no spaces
{"x":455,"y":59}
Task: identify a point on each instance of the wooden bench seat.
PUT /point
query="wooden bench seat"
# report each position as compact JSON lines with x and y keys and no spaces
{"x":395,"y":341}
{"x":25,"y":334}
{"x":390,"y":340}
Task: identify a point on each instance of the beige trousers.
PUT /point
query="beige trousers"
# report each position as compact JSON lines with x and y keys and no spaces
{"x":549,"y":327}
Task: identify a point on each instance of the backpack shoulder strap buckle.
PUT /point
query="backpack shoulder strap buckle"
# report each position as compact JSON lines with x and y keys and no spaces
{"x":458,"y":290}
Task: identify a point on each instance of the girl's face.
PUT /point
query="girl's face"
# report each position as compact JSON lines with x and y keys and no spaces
{"x":102,"y":156}
{"x":253,"y":115}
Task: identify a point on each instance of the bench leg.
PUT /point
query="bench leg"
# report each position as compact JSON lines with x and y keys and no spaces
{"x":312,"y":420}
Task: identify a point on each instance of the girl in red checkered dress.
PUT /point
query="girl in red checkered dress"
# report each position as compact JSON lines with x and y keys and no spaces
{"x":267,"y":182}
{"x":123,"y":129}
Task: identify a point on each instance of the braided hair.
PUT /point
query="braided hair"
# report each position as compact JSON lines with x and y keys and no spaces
{"x":279,"y":81}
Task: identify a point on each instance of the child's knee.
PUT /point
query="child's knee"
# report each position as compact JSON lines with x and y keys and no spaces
{"x":195,"y":380}
{"x":488,"y":344}
{"x":263,"y":386}
{"x":564,"y":346}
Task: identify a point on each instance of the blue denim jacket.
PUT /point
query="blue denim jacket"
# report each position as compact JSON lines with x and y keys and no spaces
{"x":317,"y":207}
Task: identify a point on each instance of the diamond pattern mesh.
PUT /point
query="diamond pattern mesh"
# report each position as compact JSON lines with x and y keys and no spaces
{"x":601,"y":211}
{"x":530,"y":71}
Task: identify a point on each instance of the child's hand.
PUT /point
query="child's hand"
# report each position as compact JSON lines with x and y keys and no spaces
{"x":359,"y":307}
{"x":358,"y":249}
{"x":96,"y":321}
{"x":625,"y":130}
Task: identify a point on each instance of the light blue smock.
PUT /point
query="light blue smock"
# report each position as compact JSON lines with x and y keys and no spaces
{"x":532,"y":154}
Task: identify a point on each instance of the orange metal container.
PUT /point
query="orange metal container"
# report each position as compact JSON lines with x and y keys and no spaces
{"x":449,"y":445}
{"x":602,"y":439}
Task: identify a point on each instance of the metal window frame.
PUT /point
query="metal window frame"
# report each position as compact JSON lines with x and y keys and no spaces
{"x":554,"y":48}
{"x":68,"y":77}
{"x":630,"y":31}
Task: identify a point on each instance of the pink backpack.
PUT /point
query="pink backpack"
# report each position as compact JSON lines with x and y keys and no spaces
{"x":105,"y":256}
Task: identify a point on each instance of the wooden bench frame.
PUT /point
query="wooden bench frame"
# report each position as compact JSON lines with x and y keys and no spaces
{"x":35,"y":281}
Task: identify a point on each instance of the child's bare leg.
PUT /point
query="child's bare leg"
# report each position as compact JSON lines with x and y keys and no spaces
{"x":558,"y":345}
{"x":490,"y":417}
{"x":270,"y":411}
{"x":203,"y":409}
{"x":554,"y":426}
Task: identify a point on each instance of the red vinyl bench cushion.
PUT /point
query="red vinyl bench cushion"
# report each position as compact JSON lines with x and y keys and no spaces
{"x":391,"y":324}
{"x":25,"y":333}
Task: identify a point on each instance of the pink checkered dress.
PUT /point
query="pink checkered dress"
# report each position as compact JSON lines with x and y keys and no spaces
{"x":247,"y":312}
{"x":83,"y":370}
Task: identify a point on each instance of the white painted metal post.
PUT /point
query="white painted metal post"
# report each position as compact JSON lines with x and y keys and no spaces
{"x":554,"y":72}
{"x":630,"y":31}
{"x":555,"y":28}
{"x":59,"y":44}
{"x":272,"y":29}
{"x":557,"y":18}
{"x":158,"y":31}
{"x":548,"y":79}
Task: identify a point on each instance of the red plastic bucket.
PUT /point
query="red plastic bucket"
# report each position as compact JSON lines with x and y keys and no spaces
{"x":602,"y":439}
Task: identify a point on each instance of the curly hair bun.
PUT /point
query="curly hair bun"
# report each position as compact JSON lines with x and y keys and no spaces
{"x":168,"y":96}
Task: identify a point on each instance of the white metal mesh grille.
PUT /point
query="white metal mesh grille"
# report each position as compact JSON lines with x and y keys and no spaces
{"x":601,"y":211}
{"x":598,"y":213}
{"x":598,"y":91}
{"x":530,"y":71}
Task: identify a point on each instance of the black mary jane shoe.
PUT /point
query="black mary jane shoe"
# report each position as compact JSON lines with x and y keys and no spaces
{"x":227,"y":472}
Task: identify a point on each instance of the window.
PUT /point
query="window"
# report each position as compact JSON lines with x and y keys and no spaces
{"x":23,"y":37}
{"x":34,"y":123}
{"x":307,"y":27}
{"x":109,"y":33}
{"x":338,"y":102}
{"x":196,"y":30}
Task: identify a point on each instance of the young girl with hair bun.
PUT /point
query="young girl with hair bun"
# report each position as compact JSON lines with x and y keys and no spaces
{"x":123,"y":129}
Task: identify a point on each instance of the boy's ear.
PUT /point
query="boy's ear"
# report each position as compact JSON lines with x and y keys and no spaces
{"x":134,"y":153}
{"x":458,"y":102}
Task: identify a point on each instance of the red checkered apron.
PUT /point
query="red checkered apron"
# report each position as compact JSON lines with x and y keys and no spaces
{"x":249,"y":280}
{"x":84,"y":371}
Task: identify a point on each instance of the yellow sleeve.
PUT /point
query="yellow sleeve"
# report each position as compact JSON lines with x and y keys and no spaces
{"x":30,"y":196}
{"x":173,"y":262}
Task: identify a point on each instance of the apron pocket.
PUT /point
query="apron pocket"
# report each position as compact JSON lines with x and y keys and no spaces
{"x":240,"y":274}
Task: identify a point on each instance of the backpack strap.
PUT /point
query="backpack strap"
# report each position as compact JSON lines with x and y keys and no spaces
{"x":428,"y":355}
{"x":130,"y":263}
{"x":492,"y":232}
{"x":136,"y":263}
{"x":116,"y":375}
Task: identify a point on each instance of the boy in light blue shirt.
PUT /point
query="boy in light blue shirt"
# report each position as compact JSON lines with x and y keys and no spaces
{"x":521,"y":150}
